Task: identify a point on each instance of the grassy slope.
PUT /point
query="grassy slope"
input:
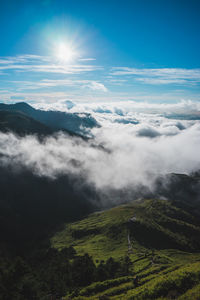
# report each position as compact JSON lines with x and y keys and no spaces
{"x":164,"y":273}
{"x":95,"y":234}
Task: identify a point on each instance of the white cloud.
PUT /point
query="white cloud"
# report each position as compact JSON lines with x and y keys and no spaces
{"x":128,"y":108}
{"x":130,"y":158}
{"x":44,"y":64}
{"x":47,"y":83}
{"x":161,"y":75}
{"x":87,"y":59}
{"x":97,"y":86}
{"x":162,"y":81}
{"x":51,"y":68}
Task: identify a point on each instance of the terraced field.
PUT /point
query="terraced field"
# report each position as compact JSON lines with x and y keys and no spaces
{"x":142,"y":230}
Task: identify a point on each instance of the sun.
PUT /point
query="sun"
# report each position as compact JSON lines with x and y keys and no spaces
{"x":65,"y":53}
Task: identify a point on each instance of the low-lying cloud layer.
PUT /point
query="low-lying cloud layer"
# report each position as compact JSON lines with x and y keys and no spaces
{"x":121,"y":155}
{"x":125,"y":107}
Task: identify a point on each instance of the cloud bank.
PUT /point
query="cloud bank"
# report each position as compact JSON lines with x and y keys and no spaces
{"x":125,"y":107}
{"x":120,"y":156}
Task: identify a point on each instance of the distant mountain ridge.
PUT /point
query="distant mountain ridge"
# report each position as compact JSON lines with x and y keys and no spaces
{"x":55,"y":120}
{"x":17,"y":122}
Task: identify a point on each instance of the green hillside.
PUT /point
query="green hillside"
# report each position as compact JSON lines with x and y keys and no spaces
{"x":161,"y":240}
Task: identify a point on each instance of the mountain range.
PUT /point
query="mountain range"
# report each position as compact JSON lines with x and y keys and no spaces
{"x":58,"y":241}
{"x":24,"y":118}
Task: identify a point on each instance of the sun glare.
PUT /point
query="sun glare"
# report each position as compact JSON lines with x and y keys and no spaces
{"x":65,"y":52}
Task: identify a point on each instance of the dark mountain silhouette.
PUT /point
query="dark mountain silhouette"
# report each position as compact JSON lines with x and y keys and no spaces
{"x":22,"y":124}
{"x":183,"y":190}
{"x":31,"y":206}
{"x":56,"y":120}
{"x":69,"y":104}
{"x":189,"y":116}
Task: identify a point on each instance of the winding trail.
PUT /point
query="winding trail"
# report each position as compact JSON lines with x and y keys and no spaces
{"x":129,"y":242}
{"x":133,"y":219}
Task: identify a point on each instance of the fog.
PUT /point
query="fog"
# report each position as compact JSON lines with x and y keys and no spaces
{"x":120,"y":155}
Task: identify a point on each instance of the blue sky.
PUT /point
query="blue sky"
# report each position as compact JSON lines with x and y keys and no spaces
{"x":121,"y":50}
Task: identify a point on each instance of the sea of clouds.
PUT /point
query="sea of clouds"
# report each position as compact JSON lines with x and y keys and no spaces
{"x":131,"y":148}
